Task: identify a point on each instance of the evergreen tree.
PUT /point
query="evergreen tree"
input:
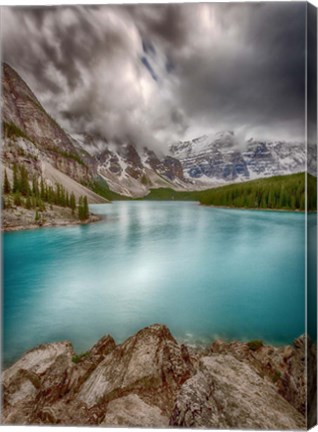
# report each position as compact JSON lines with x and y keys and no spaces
{"x":37,"y":216}
{"x":85,"y":208}
{"x":73,"y":203}
{"x":80,"y":208}
{"x":24,"y":181}
{"x":42,"y":189}
{"x":35,"y":186}
{"x":17,"y":199}
{"x":28,"y":203}
{"x":16,"y":183}
{"x":6,"y":184}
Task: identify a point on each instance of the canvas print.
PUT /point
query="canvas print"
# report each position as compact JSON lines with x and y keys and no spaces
{"x":159,"y":204}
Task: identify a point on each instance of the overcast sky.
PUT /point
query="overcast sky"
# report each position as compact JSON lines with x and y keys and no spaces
{"x":159,"y":73}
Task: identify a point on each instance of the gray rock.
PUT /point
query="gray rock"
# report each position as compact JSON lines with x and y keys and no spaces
{"x":150,"y":364}
{"x":150,"y":380}
{"x":228,"y":393}
{"x":131,"y":410}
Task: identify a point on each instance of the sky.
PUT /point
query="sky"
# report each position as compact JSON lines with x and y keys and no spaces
{"x":157,"y":74}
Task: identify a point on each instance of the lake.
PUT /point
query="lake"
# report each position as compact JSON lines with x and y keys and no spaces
{"x":204,"y":272}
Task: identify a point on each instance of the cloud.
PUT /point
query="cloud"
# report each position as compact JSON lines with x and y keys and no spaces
{"x":154,"y":74}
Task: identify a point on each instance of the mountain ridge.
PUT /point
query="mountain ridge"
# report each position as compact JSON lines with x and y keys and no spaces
{"x":126,"y":168}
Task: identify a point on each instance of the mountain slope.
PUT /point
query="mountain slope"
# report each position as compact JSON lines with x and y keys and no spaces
{"x":32,"y":138}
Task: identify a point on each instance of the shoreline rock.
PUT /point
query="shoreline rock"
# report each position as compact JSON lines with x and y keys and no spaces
{"x":151,"y":380}
{"x":58,"y":217}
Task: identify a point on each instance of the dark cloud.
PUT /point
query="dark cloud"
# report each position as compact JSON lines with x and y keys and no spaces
{"x":158,"y":73}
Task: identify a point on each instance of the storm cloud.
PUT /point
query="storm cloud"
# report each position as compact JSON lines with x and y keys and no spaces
{"x":155,"y":74}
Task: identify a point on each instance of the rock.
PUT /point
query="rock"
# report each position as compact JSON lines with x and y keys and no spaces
{"x":40,"y":359}
{"x":152,"y":381}
{"x":228,"y":393}
{"x":131,"y":410}
{"x":40,"y":376}
{"x":283,"y":366}
{"x":22,"y":109}
{"x":88,"y":362}
{"x":150,"y":364}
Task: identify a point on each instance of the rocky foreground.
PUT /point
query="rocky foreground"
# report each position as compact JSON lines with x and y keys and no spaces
{"x":150,"y":380}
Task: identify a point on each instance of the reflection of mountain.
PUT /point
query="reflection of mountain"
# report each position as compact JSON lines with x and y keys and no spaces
{"x":33,"y":137}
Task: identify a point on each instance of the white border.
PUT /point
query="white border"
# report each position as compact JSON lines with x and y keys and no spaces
{"x":101,"y":2}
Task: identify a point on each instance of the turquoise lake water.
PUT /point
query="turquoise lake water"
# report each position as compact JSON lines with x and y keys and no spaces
{"x":204,"y":272}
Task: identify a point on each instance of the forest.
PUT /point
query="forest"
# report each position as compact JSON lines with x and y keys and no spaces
{"x":35,"y":193}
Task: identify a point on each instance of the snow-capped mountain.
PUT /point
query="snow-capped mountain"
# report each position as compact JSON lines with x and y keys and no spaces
{"x":207,"y":161}
{"x":222,"y":158}
{"x":129,"y":171}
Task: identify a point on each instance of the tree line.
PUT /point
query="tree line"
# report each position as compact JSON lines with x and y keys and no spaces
{"x":286,"y":192}
{"x":283,"y":192}
{"x":34,"y":193}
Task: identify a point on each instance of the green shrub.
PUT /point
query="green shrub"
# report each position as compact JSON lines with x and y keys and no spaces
{"x":254,"y":345}
{"x":276,"y":376}
{"x":17,"y":199}
{"x":79,"y":357}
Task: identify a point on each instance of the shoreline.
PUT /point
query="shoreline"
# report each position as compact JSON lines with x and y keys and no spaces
{"x":92,"y":219}
{"x":196,"y":346}
{"x":256,"y":209}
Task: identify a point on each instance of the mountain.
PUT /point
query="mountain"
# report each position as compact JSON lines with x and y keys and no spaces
{"x":84,"y":163}
{"x":205,"y":162}
{"x":131,"y":171}
{"x":32,"y":138}
{"x":219,"y":159}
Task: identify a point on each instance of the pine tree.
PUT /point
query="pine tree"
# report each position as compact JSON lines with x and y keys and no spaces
{"x":28,"y":204}
{"x":37,"y":216}
{"x":16,"y":183}
{"x":6,"y":184}
{"x":85,"y":208}
{"x":24,"y":181}
{"x":17,"y":199}
{"x":42,"y":189}
{"x":80,"y":208}
{"x":35,"y":186}
{"x":67,"y":199}
{"x":73,"y":203}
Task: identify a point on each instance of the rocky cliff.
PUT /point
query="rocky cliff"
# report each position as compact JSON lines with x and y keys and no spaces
{"x":31,"y":137}
{"x":151,"y":380}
